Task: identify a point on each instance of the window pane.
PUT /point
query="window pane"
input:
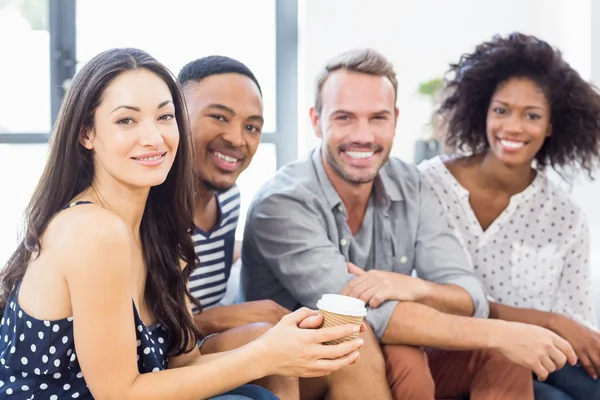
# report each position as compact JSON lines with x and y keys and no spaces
{"x":261,"y":169}
{"x":25,"y":163}
{"x":179,"y":31}
{"x":25,"y":67}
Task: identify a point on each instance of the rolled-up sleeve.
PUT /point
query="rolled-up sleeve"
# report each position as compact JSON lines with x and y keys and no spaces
{"x":439,"y":256}
{"x":290,"y":235}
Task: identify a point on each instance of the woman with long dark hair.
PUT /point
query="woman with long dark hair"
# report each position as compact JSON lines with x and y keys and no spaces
{"x":513,"y":108}
{"x":95,"y":296}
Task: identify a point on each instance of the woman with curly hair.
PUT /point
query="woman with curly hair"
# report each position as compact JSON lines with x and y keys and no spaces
{"x":513,"y":108}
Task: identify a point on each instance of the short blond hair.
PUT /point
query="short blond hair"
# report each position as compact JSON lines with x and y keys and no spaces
{"x":365,"y":61}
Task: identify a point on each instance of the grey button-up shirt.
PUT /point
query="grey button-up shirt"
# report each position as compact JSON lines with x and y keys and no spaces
{"x":296,"y":239}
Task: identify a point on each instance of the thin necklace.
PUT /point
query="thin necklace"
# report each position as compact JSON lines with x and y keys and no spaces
{"x":102,"y":204}
{"x":102,"y":201}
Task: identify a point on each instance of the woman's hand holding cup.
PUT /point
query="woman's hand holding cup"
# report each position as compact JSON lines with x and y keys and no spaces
{"x":295,"y":347}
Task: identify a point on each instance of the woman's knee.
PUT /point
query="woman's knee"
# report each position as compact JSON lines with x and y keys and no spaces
{"x":257,"y":329}
{"x":245,"y":392}
{"x":544,"y":391}
{"x":234,"y":338}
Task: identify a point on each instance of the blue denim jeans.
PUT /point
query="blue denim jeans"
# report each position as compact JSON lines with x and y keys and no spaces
{"x":247,"y":392}
{"x":568,"y":383}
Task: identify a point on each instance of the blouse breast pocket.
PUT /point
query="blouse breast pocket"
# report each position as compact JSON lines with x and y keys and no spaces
{"x":535,"y":271}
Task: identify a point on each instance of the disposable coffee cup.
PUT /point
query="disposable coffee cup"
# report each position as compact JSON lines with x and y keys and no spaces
{"x":341,"y":310}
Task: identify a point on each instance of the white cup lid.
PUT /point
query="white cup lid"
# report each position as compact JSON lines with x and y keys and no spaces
{"x":338,"y":304}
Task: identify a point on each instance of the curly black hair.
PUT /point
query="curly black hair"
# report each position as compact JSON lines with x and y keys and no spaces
{"x":574,"y":103}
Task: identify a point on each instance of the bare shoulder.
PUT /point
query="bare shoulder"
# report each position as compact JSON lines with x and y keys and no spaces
{"x":83,"y":223}
{"x":87,"y":234}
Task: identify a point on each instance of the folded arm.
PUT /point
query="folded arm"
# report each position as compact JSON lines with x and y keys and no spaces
{"x":573,"y":312}
{"x":524,"y":315}
{"x":419,"y":325}
{"x":290,"y":236}
{"x":442,"y":261}
{"x":222,"y":318}
{"x":530,"y":346}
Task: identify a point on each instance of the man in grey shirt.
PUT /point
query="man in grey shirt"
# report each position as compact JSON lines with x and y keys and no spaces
{"x":348,"y":219}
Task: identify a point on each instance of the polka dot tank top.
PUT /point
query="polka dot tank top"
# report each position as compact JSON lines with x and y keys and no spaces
{"x":38,"y":358}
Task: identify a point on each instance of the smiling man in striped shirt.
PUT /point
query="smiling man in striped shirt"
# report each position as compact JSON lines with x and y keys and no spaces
{"x":225,"y":107}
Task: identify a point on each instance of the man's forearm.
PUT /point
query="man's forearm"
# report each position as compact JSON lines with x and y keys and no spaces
{"x":206,"y":324}
{"x":451,"y":299}
{"x":420,"y":325}
{"x":222,"y":318}
{"x":217,"y":319}
{"x":525,"y":315}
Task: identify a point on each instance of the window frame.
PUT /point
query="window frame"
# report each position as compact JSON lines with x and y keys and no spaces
{"x":63,"y":62}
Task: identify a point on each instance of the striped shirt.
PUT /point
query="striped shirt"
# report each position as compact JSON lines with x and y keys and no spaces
{"x":214,"y":249}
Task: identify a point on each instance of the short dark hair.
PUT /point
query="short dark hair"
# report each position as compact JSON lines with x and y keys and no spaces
{"x":574,"y":103}
{"x":204,"y":67}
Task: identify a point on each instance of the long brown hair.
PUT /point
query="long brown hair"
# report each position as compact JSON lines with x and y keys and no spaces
{"x":168,"y":218}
